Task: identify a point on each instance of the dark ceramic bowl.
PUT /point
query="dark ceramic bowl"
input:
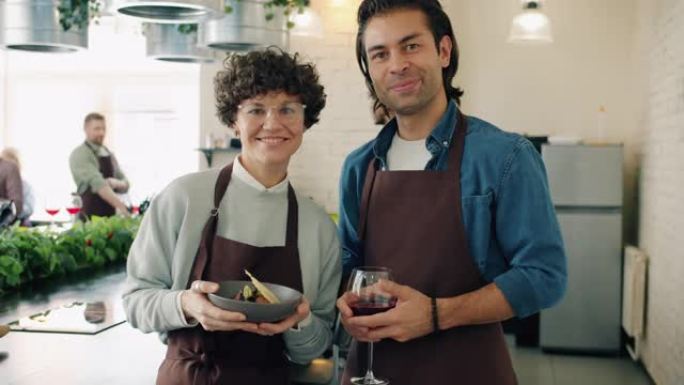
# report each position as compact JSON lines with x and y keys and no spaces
{"x":257,"y":312}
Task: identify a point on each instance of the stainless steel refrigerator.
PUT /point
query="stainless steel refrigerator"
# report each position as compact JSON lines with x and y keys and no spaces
{"x":586,"y":189}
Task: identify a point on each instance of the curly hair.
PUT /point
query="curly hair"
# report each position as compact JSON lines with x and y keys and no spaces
{"x":256,"y":73}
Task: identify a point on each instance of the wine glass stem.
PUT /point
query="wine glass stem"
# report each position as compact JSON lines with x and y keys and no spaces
{"x":369,"y":377}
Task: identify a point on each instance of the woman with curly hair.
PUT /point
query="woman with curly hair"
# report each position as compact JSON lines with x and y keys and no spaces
{"x":210,"y":226}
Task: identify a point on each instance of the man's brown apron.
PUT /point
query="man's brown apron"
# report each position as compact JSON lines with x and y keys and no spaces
{"x":411,"y":222}
{"x":196,"y":356}
{"x":93,"y":204}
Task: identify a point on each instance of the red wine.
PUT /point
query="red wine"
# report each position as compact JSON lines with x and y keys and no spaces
{"x":73,"y":210}
{"x":363,"y":308}
{"x":52,"y":211}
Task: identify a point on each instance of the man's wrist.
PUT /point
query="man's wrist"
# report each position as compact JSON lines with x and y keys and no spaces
{"x":447,"y":311}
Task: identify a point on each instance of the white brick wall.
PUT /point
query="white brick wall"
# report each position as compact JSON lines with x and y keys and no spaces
{"x":346,"y":121}
{"x":660,"y":38}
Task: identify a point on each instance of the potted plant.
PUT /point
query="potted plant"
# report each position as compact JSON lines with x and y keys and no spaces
{"x":270,"y":5}
{"x":29,"y":254}
{"x":77,"y":14}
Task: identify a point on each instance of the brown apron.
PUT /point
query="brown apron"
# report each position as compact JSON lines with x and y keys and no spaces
{"x":411,"y":222}
{"x":196,"y":356}
{"x":92,"y":203}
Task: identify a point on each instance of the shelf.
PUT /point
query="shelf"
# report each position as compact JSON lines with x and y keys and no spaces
{"x":209,"y":152}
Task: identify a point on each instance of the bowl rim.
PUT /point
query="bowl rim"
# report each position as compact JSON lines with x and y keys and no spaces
{"x":255,"y":304}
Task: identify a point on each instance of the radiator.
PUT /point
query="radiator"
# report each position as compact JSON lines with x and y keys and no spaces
{"x":634,"y":297}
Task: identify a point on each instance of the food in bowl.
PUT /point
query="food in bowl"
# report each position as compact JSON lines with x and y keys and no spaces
{"x":251,"y":294}
{"x":263,"y":289}
{"x":288,"y":299}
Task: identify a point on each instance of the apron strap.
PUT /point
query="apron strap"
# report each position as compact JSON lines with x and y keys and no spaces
{"x":292,"y":218}
{"x":91,"y":148}
{"x":209,"y":230}
{"x":221,"y":186}
{"x":365,"y":198}
{"x":95,"y":151}
{"x":202,"y":257}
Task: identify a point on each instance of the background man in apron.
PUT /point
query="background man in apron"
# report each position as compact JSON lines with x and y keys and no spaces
{"x":458,"y":209}
{"x":96,"y":172}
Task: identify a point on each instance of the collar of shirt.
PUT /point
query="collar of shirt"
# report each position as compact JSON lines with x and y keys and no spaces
{"x":437,"y":143}
{"x":101,"y":150}
{"x":242,"y":174}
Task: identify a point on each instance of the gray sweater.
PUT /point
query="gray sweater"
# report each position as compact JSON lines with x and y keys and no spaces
{"x":161,"y":257}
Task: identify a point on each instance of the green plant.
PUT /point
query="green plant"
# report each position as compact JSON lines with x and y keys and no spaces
{"x":27,"y":254}
{"x":288,"y":5}
{"x":78,"y":13}
{"x":187,"y":29}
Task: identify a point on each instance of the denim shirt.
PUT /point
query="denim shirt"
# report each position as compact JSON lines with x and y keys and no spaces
{"x":509,"y":219}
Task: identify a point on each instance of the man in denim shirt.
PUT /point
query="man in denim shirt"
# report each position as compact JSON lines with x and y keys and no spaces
{"x":458,"y":209}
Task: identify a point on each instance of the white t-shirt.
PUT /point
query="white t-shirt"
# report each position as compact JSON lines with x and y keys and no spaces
{"x":407,"y":154}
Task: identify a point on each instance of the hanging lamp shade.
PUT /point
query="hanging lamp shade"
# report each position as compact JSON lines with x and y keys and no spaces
{"x":34,"y":25}
{"x":166,"y":42}
{"x":171,"y":11}
{"x":531,"y":25}
{"x":245,"y":28}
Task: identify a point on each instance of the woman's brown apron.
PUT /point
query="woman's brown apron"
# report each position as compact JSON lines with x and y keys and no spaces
{"x":196,"y":356}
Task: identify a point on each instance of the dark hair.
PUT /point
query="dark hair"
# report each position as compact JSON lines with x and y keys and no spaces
{"x":259,"y":72}
{"x":93,"y":116}
{"x":439,"y":25}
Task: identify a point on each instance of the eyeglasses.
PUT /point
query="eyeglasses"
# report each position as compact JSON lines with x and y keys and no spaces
{"x":256,"y":113}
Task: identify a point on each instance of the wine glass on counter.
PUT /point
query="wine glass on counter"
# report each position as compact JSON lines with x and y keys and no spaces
{"x":74,"y":207}
{"x":52,"y":208}
{"x":366,"y":298}
{"x":133,"y":203}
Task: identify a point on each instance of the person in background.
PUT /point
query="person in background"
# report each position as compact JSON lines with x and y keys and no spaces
{"x":458,"y":209}
{"x":96,"y":172}
{"x":29,"y":200}
{"x":10,"y":184}
{"x":210,"y":226}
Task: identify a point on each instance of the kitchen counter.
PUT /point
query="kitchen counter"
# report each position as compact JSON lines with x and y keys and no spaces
{"x":119,"y":355}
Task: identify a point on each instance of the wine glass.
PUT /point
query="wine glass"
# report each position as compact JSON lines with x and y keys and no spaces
{"x":52,"y":207}
{"x":366,"y":298}
{"x":74,"y":207}
{"x":132,"y":202}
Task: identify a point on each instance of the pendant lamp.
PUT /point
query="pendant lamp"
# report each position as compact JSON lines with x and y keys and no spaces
{"x":531,"y":25}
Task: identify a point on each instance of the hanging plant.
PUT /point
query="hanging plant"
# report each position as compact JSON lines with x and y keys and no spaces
{"x":288,"y":5}
{"x":187,"y":29}
{"x":77,"y":14}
